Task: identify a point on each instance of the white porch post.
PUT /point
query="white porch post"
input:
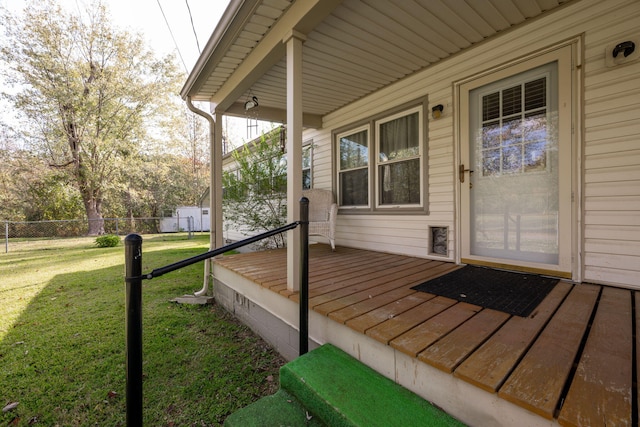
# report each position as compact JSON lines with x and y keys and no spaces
{"x":216,"y":185}
{"x":294,"y":42}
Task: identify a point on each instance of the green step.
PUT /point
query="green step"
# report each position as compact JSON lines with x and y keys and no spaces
{"x":280,"y":409}
{"x":336,"y":390}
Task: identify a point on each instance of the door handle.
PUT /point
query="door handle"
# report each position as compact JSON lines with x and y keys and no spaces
{"x":461,"y":171}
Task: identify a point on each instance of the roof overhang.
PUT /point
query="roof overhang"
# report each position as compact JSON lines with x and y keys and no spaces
{"x":352,"y":48}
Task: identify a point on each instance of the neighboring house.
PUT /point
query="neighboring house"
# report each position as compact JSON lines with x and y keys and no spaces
{"x":187,"y":218}
{"x":492,"y":133}
{"x":233,"y":231}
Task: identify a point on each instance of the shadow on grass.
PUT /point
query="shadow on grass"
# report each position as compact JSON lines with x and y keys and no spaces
{"x":63,"y":359}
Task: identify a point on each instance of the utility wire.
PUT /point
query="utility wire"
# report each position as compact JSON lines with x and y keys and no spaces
{"x":172,"y":37}
{"x":193,"y":27}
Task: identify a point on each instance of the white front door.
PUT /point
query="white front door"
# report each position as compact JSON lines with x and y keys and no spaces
{"x":515,"y":166}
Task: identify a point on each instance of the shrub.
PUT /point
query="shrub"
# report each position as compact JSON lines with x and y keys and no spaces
{"x":107,"y":241}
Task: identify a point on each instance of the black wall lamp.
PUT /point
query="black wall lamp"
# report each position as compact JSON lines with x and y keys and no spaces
{"x":626,"y":48}
{"x":436,"y":111}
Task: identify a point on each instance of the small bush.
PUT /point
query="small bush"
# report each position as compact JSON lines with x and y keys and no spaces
{"x":107,"y":241}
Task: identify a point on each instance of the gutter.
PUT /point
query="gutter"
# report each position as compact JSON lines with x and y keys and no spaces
{"x":212,"y":191}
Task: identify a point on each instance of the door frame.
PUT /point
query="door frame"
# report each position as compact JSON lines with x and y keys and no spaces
{"x":566,"y":54}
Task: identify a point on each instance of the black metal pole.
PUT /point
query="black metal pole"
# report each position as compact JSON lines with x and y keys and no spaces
{"x":304,"y":275}
{"x":133,"y":305}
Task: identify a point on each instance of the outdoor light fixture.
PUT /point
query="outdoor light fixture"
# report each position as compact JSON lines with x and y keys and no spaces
{"x":626,"y":48}
{"x":436,"y":111}
{"x":251,"y":104}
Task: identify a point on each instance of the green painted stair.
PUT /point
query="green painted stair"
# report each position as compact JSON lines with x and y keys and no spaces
{"x":327,"y":387}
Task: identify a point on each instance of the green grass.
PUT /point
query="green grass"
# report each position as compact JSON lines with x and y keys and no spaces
{"x":62,"y":339}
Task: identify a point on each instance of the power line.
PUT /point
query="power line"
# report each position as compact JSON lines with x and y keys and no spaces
{"x":172,"y":37}
{"x":193,"y":27}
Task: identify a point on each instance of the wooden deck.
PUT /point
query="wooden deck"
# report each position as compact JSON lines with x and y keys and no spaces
{"x":572,"y":360}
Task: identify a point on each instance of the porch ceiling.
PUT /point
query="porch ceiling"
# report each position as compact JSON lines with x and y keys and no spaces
{"x":353,"y":47}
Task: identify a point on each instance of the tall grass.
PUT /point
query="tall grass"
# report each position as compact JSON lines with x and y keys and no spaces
{"x":62,"y":340}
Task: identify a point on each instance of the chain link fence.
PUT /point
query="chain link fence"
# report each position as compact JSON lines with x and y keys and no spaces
{"x":20,"y":231}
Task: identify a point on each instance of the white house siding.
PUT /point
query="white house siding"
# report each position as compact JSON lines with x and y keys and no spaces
{"x":607,"y":141}
{"x":612,"y":153}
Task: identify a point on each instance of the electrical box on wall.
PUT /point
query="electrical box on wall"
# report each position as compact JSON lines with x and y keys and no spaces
{"x":623,"y":51}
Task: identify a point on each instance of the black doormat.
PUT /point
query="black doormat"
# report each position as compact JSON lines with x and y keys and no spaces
{"x":514,"y":293}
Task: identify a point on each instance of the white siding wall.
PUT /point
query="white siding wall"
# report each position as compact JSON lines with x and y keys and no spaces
{"x":612,"y":153}
{"x":609,"y":141}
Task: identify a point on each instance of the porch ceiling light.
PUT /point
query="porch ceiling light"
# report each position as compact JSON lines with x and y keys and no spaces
{"x":436,"y":111}
{"x":251,"y":104}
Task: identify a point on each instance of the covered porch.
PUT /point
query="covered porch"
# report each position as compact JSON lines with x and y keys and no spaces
{"x":571,"y":362}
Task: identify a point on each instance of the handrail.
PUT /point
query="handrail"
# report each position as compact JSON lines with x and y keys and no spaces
{"x":157,"y":272}
{"x":133,"y":304}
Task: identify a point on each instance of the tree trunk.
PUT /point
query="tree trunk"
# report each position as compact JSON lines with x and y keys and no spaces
{"x":94,"y":216}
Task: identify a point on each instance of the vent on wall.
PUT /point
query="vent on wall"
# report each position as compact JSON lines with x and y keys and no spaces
{"x":439,"y":241}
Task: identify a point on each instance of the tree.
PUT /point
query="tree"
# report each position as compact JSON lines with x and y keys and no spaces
{"x":255,"y":190}
{"x":87,"y":92}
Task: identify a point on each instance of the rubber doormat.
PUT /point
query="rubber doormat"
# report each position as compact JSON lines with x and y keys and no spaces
{"x":514,"y":293}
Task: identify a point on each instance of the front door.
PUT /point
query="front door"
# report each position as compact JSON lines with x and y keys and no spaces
{"x":515,"y":166}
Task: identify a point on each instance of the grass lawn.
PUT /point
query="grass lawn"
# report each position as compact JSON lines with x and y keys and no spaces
{"x":62,"y":339}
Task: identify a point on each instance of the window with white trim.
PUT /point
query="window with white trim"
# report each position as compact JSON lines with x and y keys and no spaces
{"x":381,"y":164}
{"x":398,"y":146}
{"x":353,"y":168}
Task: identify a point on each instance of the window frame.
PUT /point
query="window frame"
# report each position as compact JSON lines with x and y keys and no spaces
{"x":378,"y":163}
{"x":338,"y":137}
{"x":371,"y":124}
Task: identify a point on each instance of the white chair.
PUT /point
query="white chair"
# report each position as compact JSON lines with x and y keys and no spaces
{"x":322,"y":214}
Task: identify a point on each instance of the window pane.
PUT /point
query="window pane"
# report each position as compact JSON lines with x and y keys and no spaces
{"x":512,"y":159}
{"x":491,"y":134}
{"x":306,"y":179}
{"x":512,"y":131}
{"x":354,"y":150}
{"x":354,"y":188}
{"x":491,"y":106}
{"x":400,"y":183}
{"x":490,"y":162}
{"x":399,"y":138}
{"x":535,"y":94}
{"x":512,"y":100}
{"x":306,"y":158}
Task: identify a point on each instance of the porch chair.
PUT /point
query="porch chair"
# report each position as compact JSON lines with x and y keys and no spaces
{"x":322,"y":214}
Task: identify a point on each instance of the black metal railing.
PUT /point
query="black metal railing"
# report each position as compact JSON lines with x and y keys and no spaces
{"x":133,"y":304}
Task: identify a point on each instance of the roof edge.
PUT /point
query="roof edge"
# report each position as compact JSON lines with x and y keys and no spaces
{"x":230,"y":23}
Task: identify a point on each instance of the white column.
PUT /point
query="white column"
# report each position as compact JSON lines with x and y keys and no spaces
{"x":294,"y":42}
{"x":216,"y":185}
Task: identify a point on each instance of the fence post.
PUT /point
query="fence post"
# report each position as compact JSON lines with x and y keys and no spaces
{"x":6,"y":237}
{"x":304,"y":275}
{"x":133,"y":304}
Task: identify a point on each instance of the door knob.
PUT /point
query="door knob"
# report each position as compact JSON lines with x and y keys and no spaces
{"x":461,"y":171}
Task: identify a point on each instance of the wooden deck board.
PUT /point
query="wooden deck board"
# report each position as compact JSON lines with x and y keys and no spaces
{"x":553,"y":356}
{"x":415,"y":277}
{"x":449,"y":352}
{"x":538,"y":389}
{"x":488,"y":366}
{"x":602,"y":386}
{"x":408,"y":320}
{"x":355,"y":310}
{"x":374,"y":317}
{"x":425,"y":334}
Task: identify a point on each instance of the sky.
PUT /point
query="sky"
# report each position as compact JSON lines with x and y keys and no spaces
{"x":165,"y":24}
{"x":148,"y":18}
